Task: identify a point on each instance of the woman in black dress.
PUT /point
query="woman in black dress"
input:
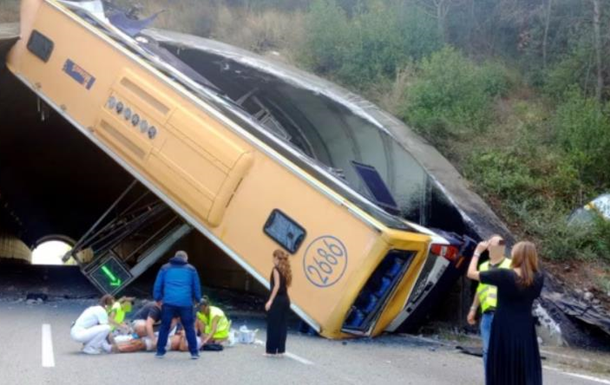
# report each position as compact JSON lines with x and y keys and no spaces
{"x":278,"y":305}
{"x":513,"y":356}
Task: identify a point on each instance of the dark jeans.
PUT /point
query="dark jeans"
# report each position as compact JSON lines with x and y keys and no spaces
{"x":168,"y":312}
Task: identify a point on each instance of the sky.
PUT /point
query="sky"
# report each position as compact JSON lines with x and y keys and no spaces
{"x":49,"y":253}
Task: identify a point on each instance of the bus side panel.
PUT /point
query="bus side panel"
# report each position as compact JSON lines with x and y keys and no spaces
{"x":270,"y":186}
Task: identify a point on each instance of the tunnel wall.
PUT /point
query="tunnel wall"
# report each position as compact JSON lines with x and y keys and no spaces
{"x":13,"y":249}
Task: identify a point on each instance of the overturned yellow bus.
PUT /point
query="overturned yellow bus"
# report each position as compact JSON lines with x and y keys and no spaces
{"x":358,"y":268}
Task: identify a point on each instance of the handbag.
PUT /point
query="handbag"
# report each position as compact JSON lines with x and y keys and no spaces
{"x":212,"y":348}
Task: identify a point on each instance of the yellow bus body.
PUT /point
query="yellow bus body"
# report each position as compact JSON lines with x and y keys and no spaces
{"x":218,"y":176}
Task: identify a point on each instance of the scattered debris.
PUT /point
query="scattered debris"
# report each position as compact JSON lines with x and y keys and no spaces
{"x":37,"y":301}
{"x":588,"y":296}
{"x":471,"y":350}
{"x":37,"y":296}
{"x":548,"y":331}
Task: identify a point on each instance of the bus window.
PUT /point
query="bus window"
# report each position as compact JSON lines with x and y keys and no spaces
{"x":377,"y":291}
{"x":377,"y":187}
{"x":284,"y":231}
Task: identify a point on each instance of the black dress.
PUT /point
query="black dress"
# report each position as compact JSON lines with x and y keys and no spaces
{"x":277,"y":318}
{"x":513,"y":357}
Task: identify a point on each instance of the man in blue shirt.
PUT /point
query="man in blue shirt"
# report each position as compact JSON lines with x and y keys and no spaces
{"x":177,"y":287}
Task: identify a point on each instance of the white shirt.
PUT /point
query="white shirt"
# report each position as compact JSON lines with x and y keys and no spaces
{"x":94,"y":315}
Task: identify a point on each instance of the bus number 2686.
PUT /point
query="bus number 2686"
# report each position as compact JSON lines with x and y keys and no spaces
{"x":325,"y":261}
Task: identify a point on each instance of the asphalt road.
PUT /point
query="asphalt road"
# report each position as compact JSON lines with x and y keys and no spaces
{"x":386,"y":360}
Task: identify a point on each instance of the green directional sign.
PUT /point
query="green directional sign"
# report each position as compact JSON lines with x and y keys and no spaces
{"x":110,"y":275}
{"x":114,"y":281}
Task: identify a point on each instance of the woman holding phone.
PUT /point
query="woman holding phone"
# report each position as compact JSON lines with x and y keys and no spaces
{"x":513,"y":357}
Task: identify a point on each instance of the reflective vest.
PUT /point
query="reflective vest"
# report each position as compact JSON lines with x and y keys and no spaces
{"x":223,"y":325}
{"x":488,"y":294}
{"x":119,"y":315}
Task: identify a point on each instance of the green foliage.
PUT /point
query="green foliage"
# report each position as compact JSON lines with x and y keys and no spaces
{"x":524,"y":174}
{"x":573,"y":69}
{"x":502,"y":174}
{"x":583,"y":131}
{"x":452,"y":95}
{"x":326,"y":27}
{"x":538,"y":191}
{"x":374,"y":42}
{"x":495,"y":79}
{"x":564,"y":242}
{"x":557,"y":240}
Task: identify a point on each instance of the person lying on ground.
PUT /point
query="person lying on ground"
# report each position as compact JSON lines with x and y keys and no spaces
{"x":91,"y":327}
{"x":212,"y":323}
{"x":184,"y":345}
{"x":129,"y":344}
{"x":176,"y":342}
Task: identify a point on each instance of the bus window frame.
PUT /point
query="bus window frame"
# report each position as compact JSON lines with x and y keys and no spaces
{"x":298,"y":245}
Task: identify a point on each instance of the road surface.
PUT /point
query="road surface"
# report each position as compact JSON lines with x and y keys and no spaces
{"x":36,"y":349}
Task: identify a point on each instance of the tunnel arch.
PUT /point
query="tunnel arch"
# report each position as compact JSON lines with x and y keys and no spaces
{"x":50,"y":252}
{"x":55,"y":237}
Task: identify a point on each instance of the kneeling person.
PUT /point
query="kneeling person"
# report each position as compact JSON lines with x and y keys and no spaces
{"x":212,"y":323}
{"x":147,"y":319}
{"x":92,"y":328}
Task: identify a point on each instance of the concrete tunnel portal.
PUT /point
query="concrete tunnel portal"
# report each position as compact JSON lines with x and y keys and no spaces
{"x":55,"y":182}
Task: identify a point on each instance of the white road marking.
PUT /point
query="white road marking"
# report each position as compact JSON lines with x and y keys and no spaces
{"x":48,"y":360}
{"x":583,"y":376}
{"x":289,"y":355}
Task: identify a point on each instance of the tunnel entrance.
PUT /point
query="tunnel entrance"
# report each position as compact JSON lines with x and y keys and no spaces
{"x":50,"y":252}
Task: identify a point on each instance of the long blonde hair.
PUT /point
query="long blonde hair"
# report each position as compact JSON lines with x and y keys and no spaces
{"x":525,"y":257}
{"x":283,"y":265}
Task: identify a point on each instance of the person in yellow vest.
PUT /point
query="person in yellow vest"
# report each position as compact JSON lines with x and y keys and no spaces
{"x":116,"y":314}
{"x":212,"y":323}
{"x":487,"y":295}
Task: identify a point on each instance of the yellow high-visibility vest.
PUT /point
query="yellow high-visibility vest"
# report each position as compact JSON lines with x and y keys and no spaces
{"x":488,"y":294}
{"x":119,"y":315}
{"x":223,"y":325}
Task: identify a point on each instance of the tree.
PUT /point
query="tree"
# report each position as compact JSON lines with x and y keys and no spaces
{"x":545,"y":38}
{"x":438,"y":9}
{"x":598,"y":49}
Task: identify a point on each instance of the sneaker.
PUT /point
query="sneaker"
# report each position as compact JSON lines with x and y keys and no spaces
{"x":159,"y":355}
{"x":106,"y":347}
{"x":91,"y":350}
{"x":194,"y":356}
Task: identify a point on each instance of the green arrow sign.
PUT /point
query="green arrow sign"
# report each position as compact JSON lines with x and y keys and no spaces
{"x":114,"y":281}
